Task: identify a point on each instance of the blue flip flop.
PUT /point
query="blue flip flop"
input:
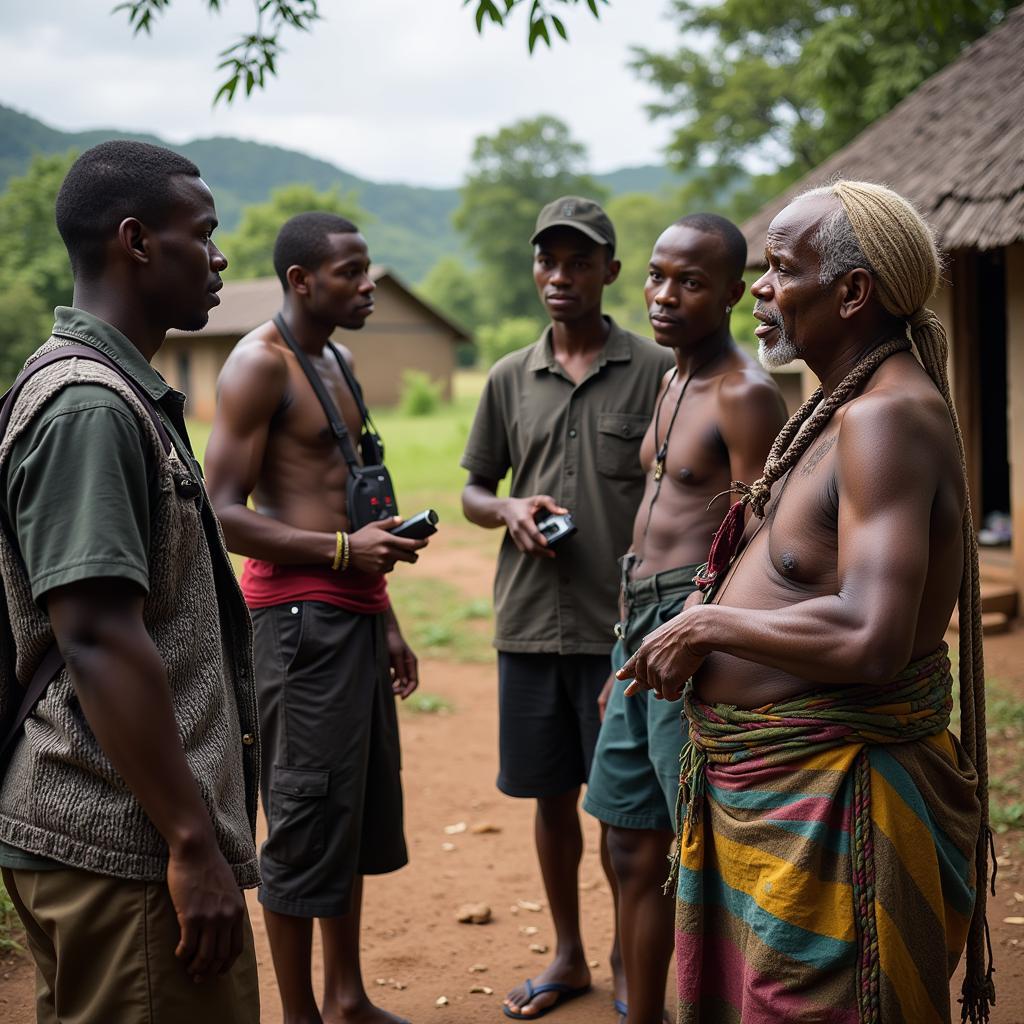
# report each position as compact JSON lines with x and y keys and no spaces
{"x":620,"y":1007}
{"x":565,"y":993}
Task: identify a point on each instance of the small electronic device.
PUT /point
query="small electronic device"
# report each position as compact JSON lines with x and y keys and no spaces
{"x":417,"y":527}
{"x":556,"y":527}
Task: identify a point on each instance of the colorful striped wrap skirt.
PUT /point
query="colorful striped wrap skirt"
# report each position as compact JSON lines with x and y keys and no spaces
{"x":826,"y":856}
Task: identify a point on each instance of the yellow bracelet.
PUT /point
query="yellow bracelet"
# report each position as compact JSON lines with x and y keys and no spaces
{"x":347,"y":553}
{"x":339,"y":547}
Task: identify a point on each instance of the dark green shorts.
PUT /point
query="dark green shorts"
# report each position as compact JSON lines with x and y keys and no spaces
{"x":634,"y":780}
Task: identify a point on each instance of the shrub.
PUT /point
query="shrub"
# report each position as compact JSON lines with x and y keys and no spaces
{"x":421,"y":395}
{"x":497,"y":340}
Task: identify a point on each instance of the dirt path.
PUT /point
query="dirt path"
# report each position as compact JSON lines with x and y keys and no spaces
{"x":412,"y":940}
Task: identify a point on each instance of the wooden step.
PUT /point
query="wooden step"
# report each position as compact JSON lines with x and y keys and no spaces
{"x":992,"y":623}
{"x":999,"y":597}
{"x":997,"y":566}
{"x":998,"y":574}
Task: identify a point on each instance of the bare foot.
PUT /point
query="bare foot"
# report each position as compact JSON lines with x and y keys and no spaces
{"x":363,"y":1012}
{"x":575,"y":975}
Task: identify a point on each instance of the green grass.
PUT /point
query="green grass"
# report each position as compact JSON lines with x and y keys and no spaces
{"x":423,"y":455}
{"x":1004,"y":719}
{"x":1004,"y":816}
{"x":10,"y":926}
{"x":438,"y":622}
{"x":426,"y":704}
{"x":1004,"y":712}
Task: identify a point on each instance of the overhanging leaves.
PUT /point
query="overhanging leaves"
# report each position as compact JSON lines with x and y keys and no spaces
{"x":542,"y":19}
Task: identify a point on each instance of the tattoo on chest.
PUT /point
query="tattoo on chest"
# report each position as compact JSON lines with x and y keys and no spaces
{"x":816,"y":456}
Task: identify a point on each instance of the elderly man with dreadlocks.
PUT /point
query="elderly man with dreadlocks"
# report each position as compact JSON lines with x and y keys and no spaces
{"x":832,"y":859}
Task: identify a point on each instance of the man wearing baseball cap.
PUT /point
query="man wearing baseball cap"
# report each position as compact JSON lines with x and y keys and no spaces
{"x":566,"y":416}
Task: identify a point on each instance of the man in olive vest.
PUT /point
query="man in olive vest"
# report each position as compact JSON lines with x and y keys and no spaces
{"x":128,"y":809}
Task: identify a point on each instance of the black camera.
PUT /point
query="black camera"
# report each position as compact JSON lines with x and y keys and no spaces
{"x":419,"y":527}
{"x":556,"y":527}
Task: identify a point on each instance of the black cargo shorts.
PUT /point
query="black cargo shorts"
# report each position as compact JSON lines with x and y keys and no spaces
{"x":331,"y":779}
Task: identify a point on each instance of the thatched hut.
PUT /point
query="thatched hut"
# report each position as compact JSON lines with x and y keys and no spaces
{"x":955,"y":148}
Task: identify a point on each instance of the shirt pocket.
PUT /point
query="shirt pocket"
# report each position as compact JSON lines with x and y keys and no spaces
{"x":618,"y":444}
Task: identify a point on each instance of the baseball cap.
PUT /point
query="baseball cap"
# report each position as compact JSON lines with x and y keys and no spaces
{"x":584,"y":215}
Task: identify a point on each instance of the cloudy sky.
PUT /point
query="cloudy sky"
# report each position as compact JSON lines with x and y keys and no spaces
{"x":393,"y":90}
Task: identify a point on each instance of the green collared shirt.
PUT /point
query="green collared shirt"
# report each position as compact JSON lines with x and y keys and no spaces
{"x":85,"y":452}
{"x":64,"y":487}
{"x":579,"y":443}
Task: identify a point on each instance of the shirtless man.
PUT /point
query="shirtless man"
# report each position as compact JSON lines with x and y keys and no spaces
{"x":329,"y":654}
{"x":843,"y":781}
{"x":717,"y":413}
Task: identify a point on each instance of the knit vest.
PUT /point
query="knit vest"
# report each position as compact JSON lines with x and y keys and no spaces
{"x":61,"y":797}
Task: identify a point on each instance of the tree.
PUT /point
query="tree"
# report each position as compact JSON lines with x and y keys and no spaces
{"x":25,"y":323}
{"x":783,"y":85}
{"x":455,"y":290}
{"x":540,"y":16}
{"x":35,"y":274}
{"x":252,"y":58}
{"x":250,"y":249}
{"x":512,"y":175}
{"x":639,"y":219}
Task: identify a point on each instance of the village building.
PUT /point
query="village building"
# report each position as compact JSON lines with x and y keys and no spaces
{"x":404,"y":333}
{"x":955,"y":148}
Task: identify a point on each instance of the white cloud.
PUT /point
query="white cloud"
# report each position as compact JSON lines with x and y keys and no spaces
{"x":380,"y":87}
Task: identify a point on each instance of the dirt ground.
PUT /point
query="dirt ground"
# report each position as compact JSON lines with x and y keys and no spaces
{"x":414,"y":951}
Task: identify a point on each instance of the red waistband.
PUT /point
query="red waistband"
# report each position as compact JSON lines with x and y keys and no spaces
{"x":267,"y":583}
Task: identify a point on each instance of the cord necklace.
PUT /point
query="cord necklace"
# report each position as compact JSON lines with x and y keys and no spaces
{"x":661,"y":447}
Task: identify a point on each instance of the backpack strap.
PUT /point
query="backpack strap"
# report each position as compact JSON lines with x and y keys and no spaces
{"x":46,"y":671}
{"x":10,"y":396}
{"x":53,"y":661}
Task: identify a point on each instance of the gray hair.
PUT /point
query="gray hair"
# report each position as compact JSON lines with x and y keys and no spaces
{"x":835,"y":242}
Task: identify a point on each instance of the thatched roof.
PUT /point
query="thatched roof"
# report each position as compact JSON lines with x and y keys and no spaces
{"x":954,"y":147}
{"x":245,"y":304}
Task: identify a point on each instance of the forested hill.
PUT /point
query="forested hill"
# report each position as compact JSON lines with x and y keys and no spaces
{"x":411,"y":229}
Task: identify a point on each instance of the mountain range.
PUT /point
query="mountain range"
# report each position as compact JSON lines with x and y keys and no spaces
{"x":411,"y":227}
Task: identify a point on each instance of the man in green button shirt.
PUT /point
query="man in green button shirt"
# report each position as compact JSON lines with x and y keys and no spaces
{"x":127,"y":810}
{"x":566,"y":416}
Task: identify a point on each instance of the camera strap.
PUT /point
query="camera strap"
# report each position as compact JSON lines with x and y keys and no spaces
{"x":334,"y":418}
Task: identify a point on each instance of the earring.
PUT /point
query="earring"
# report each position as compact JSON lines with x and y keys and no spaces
{"x":728,"y":310}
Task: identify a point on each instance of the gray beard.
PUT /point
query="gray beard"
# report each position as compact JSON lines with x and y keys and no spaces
{"x":782,"y":353}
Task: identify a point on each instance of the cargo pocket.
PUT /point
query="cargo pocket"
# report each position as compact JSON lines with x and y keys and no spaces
{"x":297,"y":810}
{"x":618,"y":444}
